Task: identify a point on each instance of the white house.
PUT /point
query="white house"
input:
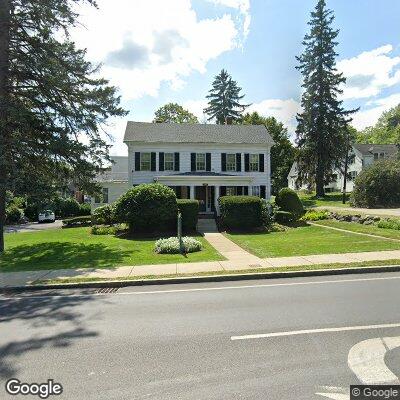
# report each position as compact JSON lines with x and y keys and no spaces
{"x":199,"y":161}
{"x":362,"y":156}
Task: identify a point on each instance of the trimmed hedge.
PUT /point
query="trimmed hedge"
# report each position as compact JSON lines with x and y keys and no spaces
{"x":288,"y":200}
{"x":190,"y":213}
{"x":148,"y":208}
{"x":77,"y":221}
{"x":284,"y":217}
{"x":377,"y":185}
{"x":241,"y":212}
{"x":104,"y":215}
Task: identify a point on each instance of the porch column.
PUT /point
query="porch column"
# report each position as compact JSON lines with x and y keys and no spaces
{"x":192,"y":192}
{"x":216,"y":196}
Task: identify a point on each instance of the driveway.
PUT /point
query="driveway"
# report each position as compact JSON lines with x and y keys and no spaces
{"x":297,"y":339}
{"x":32,"y":227}
{"x":388,"y":212}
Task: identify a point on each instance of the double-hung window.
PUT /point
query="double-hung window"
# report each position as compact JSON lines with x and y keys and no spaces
{"x":169,"y":162}
{"x":254,"y":162}
{"x":231,"y":162}
{"x":200,"y":162}
{"x":145,"y":161}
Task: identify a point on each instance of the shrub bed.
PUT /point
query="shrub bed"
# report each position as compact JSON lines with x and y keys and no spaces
{"x":190,"y":214}
{"x":77,"y":221}
{"x":241,"y":212}
{"x":148,"y":208}
{"x":284,"y":217}
{"x":314,"y":215}
{"x":389,"y":223}
{"x":171,"y":245}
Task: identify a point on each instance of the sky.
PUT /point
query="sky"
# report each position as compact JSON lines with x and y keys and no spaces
{"x":161,"y":51}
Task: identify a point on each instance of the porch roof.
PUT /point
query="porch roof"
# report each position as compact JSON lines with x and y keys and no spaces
{"x":201,"y":178}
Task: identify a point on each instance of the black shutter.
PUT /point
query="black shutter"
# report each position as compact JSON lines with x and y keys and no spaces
{"x":262,"y":191}
{"x":177,"y":166}
{"x":193,"y":162}
{"x":223,"y":162}
{"x":208,"y":161}
{"x":161,"y":161}
{"x":222,"y":191}
{"x":153,"y":161}
{"x":238,"y":162}
{"x":137,"y":161}
{"x":247,"y":162}
{"x":246,"y":190}
{"x":239,"y":190}
{"x":261,"y":162}
{"x":178,"y":192}
{"x":188,"y":192}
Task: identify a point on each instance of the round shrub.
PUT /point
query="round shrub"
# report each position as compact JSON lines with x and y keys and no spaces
{"x":241,"y":212}
{"x":378,"y":185}
{"x":84,"y":209}
{"x":148,"y":208}
{"x":171,"y":245}
{"x":66,"y":207}
{"x":190,"y":214}
{"x":104,"y":215}
{"x":13,"y":214}
{"x":284,"y":217}
{"x":288,"y":200}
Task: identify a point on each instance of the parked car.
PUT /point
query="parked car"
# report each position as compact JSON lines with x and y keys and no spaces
{"x":46,"y":216}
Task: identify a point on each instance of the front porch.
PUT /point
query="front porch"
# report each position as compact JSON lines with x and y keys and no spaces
{"x":208,"y":188}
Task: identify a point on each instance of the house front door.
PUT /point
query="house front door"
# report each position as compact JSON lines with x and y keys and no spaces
{"x":204,"y":194}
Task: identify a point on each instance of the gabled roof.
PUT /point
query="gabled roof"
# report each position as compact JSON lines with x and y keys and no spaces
{"x":370,"y":149}
{"x":196,"y":133}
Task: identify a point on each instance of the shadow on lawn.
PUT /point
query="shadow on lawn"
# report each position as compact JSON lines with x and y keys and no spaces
{"x":40,"y":322}
{"x":314,"y":201}
{"x":56,"y":255}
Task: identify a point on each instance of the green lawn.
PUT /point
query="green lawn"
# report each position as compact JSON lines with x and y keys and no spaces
{"x":330,"y":199}
{"x":354,"y":227}
{"x":307,"y":240}
{"x":77,"y":248}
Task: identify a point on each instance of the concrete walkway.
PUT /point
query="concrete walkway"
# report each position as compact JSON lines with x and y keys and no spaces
{"x":239,"y":260}
{"x":388,"y":212}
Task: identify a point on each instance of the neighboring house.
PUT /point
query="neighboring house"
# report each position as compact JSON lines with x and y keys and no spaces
{"x":199,"y":161}
{"x":113,"y":181}
{"x":361,"y":156}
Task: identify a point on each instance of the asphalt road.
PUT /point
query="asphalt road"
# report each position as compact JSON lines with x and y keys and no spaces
{"x":175,"y":342}
{"x":33,"y":227}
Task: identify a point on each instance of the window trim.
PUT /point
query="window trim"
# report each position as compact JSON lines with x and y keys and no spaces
{"x":170,"y":161}
{"x":231,"y":164}
{"x":252,"y":164}
{"x":197,"y":162}
{"x":142,"y":161}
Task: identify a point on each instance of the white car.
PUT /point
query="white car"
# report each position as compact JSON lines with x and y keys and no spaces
{"x":46,"y":216}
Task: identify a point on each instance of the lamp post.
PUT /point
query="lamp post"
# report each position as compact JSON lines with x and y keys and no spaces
{"x":179,"y":229}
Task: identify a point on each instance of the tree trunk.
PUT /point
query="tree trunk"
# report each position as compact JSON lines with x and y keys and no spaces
{"x":319,"y":180}
{"x":5,"y":16}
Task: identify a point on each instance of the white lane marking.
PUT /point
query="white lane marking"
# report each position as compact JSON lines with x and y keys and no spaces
{"x":338,"y":281}
{"x":367,"y":360}
{"x":312,"y":331}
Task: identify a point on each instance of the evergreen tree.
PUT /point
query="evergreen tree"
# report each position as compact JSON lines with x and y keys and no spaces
{"x":50,"y":98}
{"x":320,"y":136}
{"x":282,"y":152}
{"x":174,"y":113}
{"x":224,"y":100}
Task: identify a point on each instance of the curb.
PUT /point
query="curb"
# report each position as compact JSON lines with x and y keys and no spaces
{"x":206,"y":278}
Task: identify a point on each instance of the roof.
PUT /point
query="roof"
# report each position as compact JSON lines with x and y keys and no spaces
{"x":370,"y":149}
{"x":196,"y":133}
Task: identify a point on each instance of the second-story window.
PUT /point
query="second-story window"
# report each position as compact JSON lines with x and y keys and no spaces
{"x":231,"y":162}
{"x":200,"y":162}
{"x":145,"y":161}
{"x":169,"y":162}
{"x":254,"y":162}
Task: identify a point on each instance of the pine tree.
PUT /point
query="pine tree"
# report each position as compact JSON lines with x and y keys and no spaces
{"x":50,"y":97}
{"x":321,"y":124}
{"x":224,"y":100}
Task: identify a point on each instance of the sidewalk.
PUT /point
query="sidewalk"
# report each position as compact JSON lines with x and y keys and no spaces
{"x":239,"y":260}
